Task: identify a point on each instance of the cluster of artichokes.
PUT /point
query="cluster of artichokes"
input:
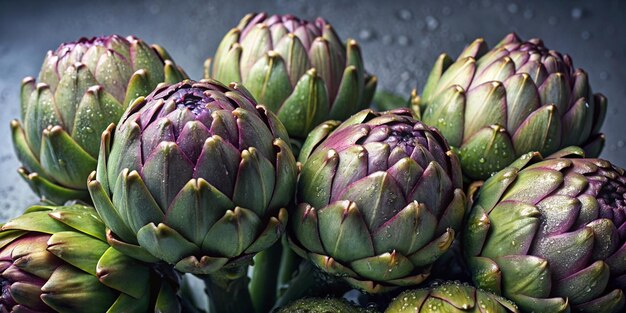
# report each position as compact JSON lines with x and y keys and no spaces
{"x":275,"y":163}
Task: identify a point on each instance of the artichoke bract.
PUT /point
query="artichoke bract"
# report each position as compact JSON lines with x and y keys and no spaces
{"x":450,"y":297}
{"x":380,"y":198}
{"x":196,"y":175}
{"x":57,"y":259}
{"x":494,"y":106}
{"x":551,"y":234}
{"x":83,"y":87}
{"x":298,"y":69}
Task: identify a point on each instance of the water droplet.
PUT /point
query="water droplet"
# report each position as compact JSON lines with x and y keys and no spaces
{"x":405,"y":15}
{"x":387,"y":39}
{"x":577,"y":13}
{"x":446,"y":11}
{"x":366,"y":35}
{"x":405,"y":75}
{"x":403,"y":40}
{"x":620,"y":143}
{"x":512,"y":7}
{"x":431,"y":22}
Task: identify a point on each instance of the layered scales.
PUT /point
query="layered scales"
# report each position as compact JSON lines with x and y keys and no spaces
{"x":379,"y":199}
{"x":195,"y":175}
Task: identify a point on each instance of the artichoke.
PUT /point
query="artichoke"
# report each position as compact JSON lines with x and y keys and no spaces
{"x":196,"y":175}
{"x":380,"y":197}
{"x":57,"y":259}
{"x":322,"y":305}
{"x":450,"y":297}
{"x":494,"y":106}
{"x":299,"y":69}
{"x":83,"y":87}
{"x":551,"y":234}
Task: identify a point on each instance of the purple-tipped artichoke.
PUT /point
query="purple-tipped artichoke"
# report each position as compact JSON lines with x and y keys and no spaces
{"x":57,"y":259}
{"x":493,"y":106}
{"x":83,"y":87}
{"x":379,"y":199}
{"x":450,"y":297}
{"x":196,"y":175}
{"x":299,"y":69}
{"x":551,"y":234}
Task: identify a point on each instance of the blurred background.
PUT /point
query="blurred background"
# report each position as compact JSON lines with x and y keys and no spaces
{"x":400,"y":42}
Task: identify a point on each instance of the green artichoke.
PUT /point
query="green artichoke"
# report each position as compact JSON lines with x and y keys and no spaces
{"x":298,"y":69}
{"x":57,"y":259}
{"x":196,"y":175}
{"x":380,"y":198}
{"x":450,"y":297}
{"x":551,"y":234}
{"x":322,"y":305}
{"x":494,"y":106}
{"x":83,"y":87}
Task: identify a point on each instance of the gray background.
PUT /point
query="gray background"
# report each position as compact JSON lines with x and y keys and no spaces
{"x":400,"y":41}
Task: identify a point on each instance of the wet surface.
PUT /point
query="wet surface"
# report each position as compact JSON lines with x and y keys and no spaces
{"x":400,"y":41}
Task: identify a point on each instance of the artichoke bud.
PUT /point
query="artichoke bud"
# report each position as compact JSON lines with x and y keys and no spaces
{"x":57,"y":259}
{"x":272,"y":55}
{"x":196,"y":175}
{"x":450,"y":297}
{"x":543,"y":230}
{"x":536,"y":94}
{"x":365,"y":187}
{"x":82,"y":87}
{"x":322,"y":305}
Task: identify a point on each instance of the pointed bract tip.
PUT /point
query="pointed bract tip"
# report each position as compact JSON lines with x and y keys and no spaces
{"x":95,"y":89}
{"x":15,"y":124}
{"x":28,"y":80}
{"x":41,"y":86}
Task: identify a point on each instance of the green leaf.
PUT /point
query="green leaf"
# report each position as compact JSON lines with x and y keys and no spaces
{"x":345,"y":235}
{"x":408,"y":231}
{"x":96,"y":111}
{"x":268,"y":81}
{"x":196,"y":208}
{"x":69,"y":290}
{"x":233,"y":233}
{"x":123,"y":273}
{"x":255,"y":182}
{"x":77,"y":249}
{"x":134,"y":203}
{"x":485,"y":106}
{"x":306,"y":107}
{"x":488,"y":151}
{"x":165,"y":243}
{"x":256,"y":43}
{"x":387,"y":266}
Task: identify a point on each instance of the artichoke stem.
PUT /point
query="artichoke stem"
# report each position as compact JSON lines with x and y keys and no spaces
{"x":226,"y":294}
{"x":264,"y":277}
{"x":310,"y":282}
{"x":289,"y":263}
